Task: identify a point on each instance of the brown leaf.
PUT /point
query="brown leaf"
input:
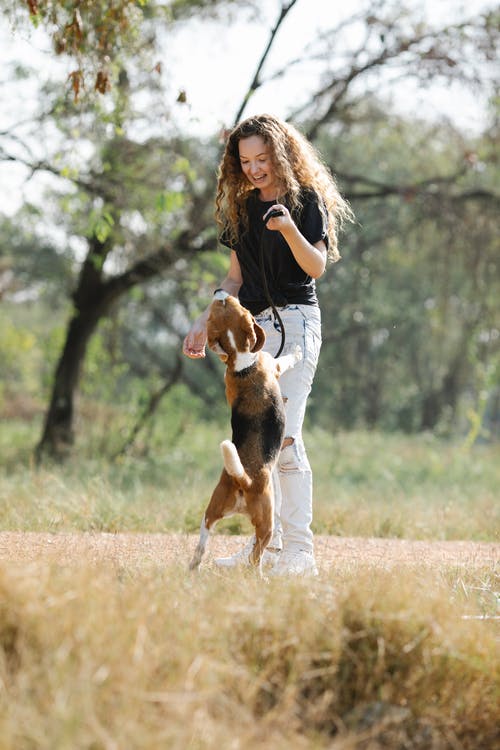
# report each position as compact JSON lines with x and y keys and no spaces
{"x":102,"y":83}
{"x":76,"y":80}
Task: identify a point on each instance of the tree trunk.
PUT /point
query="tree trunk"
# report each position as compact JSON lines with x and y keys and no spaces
{"x":92,"y":300}
{"x":446,"y":396}
{"x":88,"y":297}
{"x":58,"y":436}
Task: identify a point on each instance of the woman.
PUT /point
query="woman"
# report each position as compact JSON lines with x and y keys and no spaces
{"x":279,"y":209}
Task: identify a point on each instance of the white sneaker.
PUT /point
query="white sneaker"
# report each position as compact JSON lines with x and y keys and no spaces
{"x":291,"y":563}
{"x":242,"y":558}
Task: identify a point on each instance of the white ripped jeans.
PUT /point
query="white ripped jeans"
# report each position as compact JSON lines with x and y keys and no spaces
{"x":292,"y":477}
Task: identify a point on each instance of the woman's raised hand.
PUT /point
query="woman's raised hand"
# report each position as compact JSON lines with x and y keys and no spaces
{"x":196,"y":338}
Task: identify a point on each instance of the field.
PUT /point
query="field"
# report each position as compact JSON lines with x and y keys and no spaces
{"x":366,"y":484}
{"x":107,"y":642}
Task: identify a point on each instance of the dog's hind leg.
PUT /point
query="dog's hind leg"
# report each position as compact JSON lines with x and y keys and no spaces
{"x":261,"y":516}
{"x":222,"y":503}
{"x":201,"y":546}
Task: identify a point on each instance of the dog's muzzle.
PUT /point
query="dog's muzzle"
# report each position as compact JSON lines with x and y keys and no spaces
{"x":220,"y":294}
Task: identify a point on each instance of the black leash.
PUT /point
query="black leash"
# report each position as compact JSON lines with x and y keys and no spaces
{"x":265,"y":286}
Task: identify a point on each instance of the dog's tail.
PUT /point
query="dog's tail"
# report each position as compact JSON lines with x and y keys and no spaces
{"x":233,"y":465}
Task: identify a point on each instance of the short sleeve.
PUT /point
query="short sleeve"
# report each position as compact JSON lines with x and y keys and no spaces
{"x":313,"y":219}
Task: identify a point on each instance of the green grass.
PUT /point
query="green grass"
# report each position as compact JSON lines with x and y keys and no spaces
{"x":366,"y":484}
{"x":420,"y":487}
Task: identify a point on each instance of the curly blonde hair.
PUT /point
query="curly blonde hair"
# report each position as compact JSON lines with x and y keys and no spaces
{"x":297,"y":165}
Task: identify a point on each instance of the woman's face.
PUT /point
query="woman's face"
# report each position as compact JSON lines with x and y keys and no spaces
{"x":256,"y":165}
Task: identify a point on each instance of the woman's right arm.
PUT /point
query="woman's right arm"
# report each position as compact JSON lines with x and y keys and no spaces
{"x":194,"y":343}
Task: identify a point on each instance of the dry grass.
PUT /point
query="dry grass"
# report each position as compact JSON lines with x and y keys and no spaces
{"x":123,"y":657}
{"x":365,"y":484}
{"x":112,"y":651}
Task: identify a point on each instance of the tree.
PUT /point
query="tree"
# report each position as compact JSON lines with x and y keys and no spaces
{"x":126,"y":175}
{"x":175,"y":230}
{"x":411,"y":315}
{"x":98,"y":35}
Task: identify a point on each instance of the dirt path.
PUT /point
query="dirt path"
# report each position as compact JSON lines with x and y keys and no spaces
{"x":164,"y":549}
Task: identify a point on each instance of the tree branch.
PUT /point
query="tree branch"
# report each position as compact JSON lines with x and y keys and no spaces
{"x":151,"y":266}
{"x":409,"y":192}
{"x":428,"y":53}
{"x":379,"y":189}
{"x":152,"y":405}
{"x":43,"y":166}
{"x":256,"y":82}
{"x":379,"y":185}
{"x":342,"y":84}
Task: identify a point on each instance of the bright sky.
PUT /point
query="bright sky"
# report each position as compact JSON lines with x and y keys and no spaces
{"x":215,"y":64}
{"x":217,"y":69}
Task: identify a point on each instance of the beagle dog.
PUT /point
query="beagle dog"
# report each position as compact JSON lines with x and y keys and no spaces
{"x":257,"y":421}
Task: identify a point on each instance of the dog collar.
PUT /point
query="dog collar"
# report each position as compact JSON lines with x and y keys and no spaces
{"x":246,"y":370}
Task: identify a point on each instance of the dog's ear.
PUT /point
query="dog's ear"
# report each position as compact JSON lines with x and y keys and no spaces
{"x":260,"y":337}
{"x":213,"y":340}
{"x":217,"y":348}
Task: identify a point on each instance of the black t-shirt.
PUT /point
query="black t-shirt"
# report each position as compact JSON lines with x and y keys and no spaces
{"x":286,"y":281}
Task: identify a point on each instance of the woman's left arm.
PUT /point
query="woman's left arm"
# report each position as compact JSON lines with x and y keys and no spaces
{"x":311,"y":258}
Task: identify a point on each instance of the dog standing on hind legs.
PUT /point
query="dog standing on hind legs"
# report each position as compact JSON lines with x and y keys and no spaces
{"x":257,"y":421}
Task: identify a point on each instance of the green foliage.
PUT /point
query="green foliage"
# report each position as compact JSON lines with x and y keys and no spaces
{"x":14,"y":341}
{"x":411,"y":314}
{"x":168,"y":201}
{"x":28,"y":350}
{"x":32,"y":264}
{"x":100,"y":225}
{"x":16,"y":346}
